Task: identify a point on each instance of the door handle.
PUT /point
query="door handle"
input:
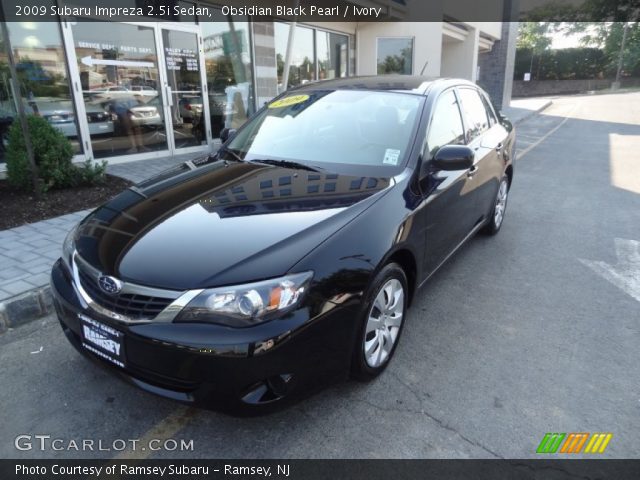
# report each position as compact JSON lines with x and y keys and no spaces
{"x":472,"y":171}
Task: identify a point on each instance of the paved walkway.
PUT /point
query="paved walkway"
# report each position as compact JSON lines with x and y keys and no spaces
{"x":143,"y":169}
{"x":27,"y":253}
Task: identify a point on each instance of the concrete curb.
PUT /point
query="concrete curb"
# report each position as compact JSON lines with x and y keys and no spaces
{"x":25,"y":308}
{"x":533,"y":112}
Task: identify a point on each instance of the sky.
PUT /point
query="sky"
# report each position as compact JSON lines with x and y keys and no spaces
{"x":561,"y":40}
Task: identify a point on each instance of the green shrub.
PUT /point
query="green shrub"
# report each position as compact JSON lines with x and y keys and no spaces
{"x":53,"y":154}
{"x":91,"y":173}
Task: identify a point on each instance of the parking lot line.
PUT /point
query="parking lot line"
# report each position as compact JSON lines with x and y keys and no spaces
{"x":546,"y":135}
{"x":163,"y":430}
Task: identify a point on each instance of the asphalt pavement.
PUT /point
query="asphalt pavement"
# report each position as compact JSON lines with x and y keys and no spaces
{"x":535,"y":330}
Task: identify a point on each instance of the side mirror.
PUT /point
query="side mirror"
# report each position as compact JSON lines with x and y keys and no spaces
{"x":453,"y":157}
{"x":504,"y":121}
{"x":227,"y":133}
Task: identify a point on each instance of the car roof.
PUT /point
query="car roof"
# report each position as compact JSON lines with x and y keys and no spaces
{"x":414,"y":84}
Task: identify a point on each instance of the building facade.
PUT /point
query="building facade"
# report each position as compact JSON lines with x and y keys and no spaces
{"x":125,"y":91}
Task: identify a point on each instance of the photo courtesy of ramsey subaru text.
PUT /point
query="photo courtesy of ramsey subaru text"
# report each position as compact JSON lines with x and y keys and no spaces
{"x":289,"y":258}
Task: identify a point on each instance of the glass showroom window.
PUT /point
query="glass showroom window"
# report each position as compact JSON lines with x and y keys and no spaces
{"x":395,"y":55}
{"x":228,"y":67}
{"x":7,"y":105}
{"x":43,"y":80}
{"x":302,"y":66}
{"x":333,"y":55}
{"x":118,"y":67}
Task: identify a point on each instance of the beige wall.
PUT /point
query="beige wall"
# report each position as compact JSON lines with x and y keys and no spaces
{"x":427,"y":44}
{"x":443,"y":55}
{"x":491,"y":29}
{"x":460,"y":58}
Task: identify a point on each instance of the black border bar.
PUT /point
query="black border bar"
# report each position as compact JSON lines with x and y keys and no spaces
{"x":333,"y":10}
{"x":544,"y":469}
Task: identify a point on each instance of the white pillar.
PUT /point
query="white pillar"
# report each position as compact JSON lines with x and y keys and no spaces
{"x":460,"y":58}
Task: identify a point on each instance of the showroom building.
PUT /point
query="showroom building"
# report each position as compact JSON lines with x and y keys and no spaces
{"x":124,"y":91}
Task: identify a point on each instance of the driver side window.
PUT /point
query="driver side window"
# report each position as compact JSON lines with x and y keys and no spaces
{"x":446,"y":124}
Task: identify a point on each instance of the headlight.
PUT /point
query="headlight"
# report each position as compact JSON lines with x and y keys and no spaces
{"x":246,"y":305}
{"x":68,"y":246}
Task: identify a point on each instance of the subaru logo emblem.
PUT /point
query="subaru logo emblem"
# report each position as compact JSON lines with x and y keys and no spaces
{"x":109,"y":284}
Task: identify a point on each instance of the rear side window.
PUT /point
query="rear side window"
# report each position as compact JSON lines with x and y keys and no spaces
{"x":492,"y":116}
{"x":446,"y":124}
{"x":475,"y":113}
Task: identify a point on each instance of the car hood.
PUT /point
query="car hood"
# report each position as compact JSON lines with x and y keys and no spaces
{"x":220,"y":223}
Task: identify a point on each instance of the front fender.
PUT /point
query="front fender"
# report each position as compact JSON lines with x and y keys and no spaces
{"x":346,"y":262}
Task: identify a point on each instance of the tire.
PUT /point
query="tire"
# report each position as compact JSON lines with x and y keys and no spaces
{"x":496,"y":219}
{"x":381,"y":322}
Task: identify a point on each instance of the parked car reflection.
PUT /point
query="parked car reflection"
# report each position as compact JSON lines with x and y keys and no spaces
{"x":190,"y":108}
{"x":61,"y":115}
{"x":144,"y":90}
{"x":131,"y":112}
{"x":140,"y":124}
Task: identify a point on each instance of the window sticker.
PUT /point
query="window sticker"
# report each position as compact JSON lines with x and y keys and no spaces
{"x":288,"y":101}
{"x":391,"y":157}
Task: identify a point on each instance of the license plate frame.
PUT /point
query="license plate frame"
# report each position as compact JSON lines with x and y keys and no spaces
{"x":102,"y":340}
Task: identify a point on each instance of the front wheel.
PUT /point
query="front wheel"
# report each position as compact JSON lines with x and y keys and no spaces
{"x":382,"y":319}
{"x":499,"y":207}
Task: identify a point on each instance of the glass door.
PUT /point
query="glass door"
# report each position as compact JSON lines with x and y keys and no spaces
{"x":186,"y":111}
{"x":118,"y":84}
{"x":140,"y":87}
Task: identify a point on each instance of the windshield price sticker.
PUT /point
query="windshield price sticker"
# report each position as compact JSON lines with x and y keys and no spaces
{"x":288,"y":101}
{"x":391,"y":157}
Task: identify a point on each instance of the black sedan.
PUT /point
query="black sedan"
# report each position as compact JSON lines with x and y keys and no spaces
{"x":290,"y":257}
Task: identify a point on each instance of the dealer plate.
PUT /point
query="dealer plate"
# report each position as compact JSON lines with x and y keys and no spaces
{"x":102,"y":340}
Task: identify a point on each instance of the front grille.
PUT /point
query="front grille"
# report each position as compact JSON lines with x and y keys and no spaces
{"x":58,"y":118}
{"x":133,"y":306}
{"x":96,"y":117}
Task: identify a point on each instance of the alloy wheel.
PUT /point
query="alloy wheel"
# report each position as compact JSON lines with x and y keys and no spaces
{"x":501,"y":203}
{"x":383,"y":323}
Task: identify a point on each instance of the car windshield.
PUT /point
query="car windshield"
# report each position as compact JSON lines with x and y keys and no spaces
{"x":348,"y":127}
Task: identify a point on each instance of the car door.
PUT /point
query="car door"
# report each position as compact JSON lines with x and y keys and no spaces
{"x":445,"y":193}
{"x":485,"y":136}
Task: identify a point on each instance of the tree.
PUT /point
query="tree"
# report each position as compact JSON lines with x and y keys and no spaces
{"x":534,"y":37}
{"x":396,"y":63}
{"x":608,"y":37}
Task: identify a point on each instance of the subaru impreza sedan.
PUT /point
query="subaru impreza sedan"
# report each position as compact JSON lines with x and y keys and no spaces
{"x":290,"y":257}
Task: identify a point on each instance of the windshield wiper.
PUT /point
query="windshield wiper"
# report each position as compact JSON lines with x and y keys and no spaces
{"x":231,"y":152}
{"x":288,"y":164}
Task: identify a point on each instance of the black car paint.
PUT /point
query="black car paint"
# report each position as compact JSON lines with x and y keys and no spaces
{"x":180,"y":224}
{"x":162,"y":233}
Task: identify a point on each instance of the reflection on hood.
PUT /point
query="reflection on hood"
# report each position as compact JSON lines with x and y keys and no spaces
{"x":183,"y":228}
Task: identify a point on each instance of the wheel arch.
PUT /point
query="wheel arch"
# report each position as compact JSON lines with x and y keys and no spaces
{"x":509,"y":173}
{"x":406,"y":259}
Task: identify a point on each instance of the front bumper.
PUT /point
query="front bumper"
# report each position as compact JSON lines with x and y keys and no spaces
{"x":216,"y":366}
{"x":151,"y":121}
{"x":100,"y":128}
